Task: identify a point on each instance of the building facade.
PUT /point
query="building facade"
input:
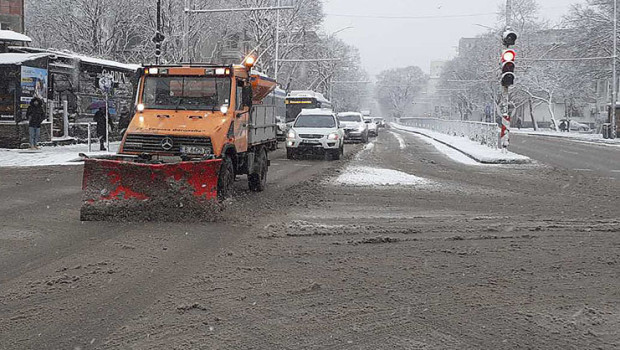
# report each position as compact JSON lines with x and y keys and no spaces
{"x":12,"y":15}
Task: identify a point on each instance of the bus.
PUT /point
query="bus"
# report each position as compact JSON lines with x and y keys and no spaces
{"x":298,"y":100}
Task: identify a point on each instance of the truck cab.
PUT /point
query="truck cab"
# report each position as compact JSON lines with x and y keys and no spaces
{"x":202,"y":112}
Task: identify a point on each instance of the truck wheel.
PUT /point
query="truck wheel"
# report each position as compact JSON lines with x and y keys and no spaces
{"x":226,"y":180}
{"x":258,"y":182}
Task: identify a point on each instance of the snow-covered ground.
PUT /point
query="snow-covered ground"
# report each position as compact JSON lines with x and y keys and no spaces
{"x":368,"y":176}
{"x":593,"y":138}
{"x":61,"y":155}
{"x":480,"y":153}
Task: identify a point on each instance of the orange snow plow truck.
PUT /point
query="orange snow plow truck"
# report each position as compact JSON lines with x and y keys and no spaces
{"x":195,"y":128}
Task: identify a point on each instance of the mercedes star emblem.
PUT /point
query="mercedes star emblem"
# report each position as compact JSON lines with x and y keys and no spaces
{"x":167,"y":144}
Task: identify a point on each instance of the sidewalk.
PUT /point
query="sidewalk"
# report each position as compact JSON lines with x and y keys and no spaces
{"x":47,"y":156}
{"x":478,"y":152}
{"x":590,"y":138}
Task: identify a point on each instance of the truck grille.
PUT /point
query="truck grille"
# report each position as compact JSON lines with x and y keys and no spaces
{"x":310,"y":136}
{"x":140,"y":143}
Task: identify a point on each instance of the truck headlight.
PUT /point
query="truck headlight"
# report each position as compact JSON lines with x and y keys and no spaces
{"x":333,"y":136}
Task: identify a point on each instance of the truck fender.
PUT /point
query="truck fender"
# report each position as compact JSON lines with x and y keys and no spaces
{"x":229,"y":150}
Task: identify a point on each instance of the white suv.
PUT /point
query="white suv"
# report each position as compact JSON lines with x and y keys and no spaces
{"x":355,"y":128}
{"x":315,"y":131}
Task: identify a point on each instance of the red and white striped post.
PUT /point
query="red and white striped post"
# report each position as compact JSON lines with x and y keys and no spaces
{"x":505,"y":135}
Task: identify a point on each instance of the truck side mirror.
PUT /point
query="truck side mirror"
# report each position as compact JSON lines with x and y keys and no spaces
{"x":247,"y":96}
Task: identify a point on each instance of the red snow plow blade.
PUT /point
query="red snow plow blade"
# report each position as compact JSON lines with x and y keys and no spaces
{"x":131,"y":191}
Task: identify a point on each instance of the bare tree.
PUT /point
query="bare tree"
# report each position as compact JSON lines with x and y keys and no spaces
{"x":398,"y":88}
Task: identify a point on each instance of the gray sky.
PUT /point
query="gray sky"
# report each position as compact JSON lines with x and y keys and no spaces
{"x":388,"y":43}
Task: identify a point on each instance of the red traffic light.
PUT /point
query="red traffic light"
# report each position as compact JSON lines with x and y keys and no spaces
{"x":508,"y":56}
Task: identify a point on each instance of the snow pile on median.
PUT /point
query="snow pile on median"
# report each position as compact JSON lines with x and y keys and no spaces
{"x":480,"y":153}
{"x":48,"y":156}
{"x":367,"y":176}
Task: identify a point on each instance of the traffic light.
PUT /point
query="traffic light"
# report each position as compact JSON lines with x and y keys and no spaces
{"x":158,"y":39}
{"x":509,"y":38}
{"x":508,"y":67}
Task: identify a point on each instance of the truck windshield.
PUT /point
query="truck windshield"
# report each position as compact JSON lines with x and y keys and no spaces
{"x":350,"y":118}
{"x":187,"y":93}
{"x":315,"y":121}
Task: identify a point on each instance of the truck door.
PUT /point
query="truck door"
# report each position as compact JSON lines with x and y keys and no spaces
{"x":242,"y":118}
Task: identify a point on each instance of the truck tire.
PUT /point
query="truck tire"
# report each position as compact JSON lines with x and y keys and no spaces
{"x":258,"y":181}
{"x":225,"y":180}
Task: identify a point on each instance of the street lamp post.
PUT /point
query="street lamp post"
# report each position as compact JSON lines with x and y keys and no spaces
{"x":614,"y":82}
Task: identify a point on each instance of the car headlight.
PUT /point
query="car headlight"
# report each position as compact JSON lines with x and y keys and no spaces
{"x":333,"y":136}
{"x":292,"y":134}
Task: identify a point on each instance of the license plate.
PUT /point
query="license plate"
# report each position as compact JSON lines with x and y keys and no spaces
{"x":314,"y":142}
{"x":195,"y":150}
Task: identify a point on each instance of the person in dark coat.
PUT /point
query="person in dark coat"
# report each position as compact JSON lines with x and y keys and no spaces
{"x":36,"y":116}
{"x":100,"y":119}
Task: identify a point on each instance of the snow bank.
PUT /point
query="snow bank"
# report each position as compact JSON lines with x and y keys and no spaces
{"x":47,"y":156}
{"x":451,"y":153}
{"x":480,"y":153}
{"x":367,"y":176}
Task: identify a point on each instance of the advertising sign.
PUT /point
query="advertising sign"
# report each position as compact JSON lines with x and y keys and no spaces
{"x":33,"y":84}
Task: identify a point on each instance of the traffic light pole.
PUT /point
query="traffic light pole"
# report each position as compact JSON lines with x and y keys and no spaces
{"x":504,"y":140}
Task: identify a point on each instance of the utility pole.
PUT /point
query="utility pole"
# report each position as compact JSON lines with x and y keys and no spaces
{"x":159,"y":37}
{"x":507,"y":78}
{"x":614,"y":79}
{"x":277,"y":58}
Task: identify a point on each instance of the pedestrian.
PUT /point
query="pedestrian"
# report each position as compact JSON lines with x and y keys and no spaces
{"x":100,"y":119}
{"x":563,"y":125}
{"x":519,"y":123}
{"x":36,"y":116}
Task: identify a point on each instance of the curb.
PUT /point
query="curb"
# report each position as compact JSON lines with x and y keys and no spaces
{"x":481,"y":161}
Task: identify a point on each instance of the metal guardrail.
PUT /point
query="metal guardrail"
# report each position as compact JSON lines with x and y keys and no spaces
{"x":484,"y":133}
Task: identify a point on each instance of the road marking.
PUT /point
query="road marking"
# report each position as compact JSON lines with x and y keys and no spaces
{"x":583,"y":170}
{"x":615,"y":171}
{"x":400,"y":139}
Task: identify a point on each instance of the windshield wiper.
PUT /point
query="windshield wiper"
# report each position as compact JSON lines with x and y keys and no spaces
{"x":176,"y":109}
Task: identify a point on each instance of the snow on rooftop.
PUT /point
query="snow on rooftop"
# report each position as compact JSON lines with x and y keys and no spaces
{"x":307,"y":93}
{"x":316,"y":111}
{"x":9,"y":35}
{"x":103,"y":62}
{"x":19,"y":58}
